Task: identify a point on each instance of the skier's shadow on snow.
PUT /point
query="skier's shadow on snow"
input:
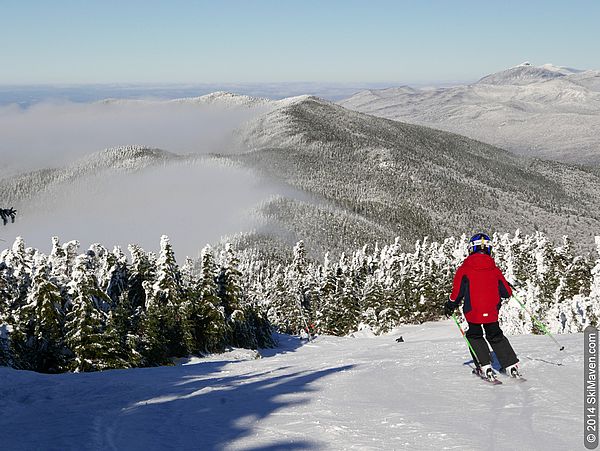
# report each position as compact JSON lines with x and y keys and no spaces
{"x":191,"y":408}
{"x":494,"y":362}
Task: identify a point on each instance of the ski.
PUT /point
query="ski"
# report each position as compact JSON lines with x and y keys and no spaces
{"x":516,"y":379}
{"x":483,"y":378}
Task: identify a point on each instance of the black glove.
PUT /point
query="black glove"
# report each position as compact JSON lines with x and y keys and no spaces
{"x":449,"y":308}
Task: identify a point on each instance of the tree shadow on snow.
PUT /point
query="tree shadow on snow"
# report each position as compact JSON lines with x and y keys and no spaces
{"x":207,"y":406}
{"x":285,"y":343}
{"x":198,"y":410}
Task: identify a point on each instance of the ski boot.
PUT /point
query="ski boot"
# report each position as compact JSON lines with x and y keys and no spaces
{"x":513,"y":371}
{"x":486,"y":372}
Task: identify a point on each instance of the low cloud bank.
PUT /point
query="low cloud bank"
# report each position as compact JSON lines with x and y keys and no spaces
{"x":194,"y":204}
{"x":54,"y":134}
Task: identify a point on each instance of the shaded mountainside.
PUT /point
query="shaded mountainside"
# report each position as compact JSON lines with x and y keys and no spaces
{"x":19,"y":188}
{"x":409,"y":180}
{"x":544,"y":111}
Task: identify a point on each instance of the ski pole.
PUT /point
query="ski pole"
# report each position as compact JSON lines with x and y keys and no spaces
{"x":539,"y":323}
{"x":462,"y":332}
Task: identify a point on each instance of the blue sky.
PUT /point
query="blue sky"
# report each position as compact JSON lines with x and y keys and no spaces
{"x":149,"y":41}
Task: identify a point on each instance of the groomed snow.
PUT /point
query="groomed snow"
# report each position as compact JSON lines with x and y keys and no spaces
{"x":350,"y":393}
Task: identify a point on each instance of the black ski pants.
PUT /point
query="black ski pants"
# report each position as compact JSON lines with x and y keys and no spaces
{"x":499,"y":343}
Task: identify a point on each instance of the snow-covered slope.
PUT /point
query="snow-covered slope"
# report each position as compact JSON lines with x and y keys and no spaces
{"x":546,"y":111}
{"x":414,"y":180}
{"x":363,"y":393}
{"x":525,"y":73}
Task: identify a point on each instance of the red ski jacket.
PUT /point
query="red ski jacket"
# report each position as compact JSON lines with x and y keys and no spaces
{"x":480,"y":283}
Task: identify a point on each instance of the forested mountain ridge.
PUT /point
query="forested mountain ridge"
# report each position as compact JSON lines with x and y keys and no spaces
{"x":21,"y":187}
{"x":413,"y":180}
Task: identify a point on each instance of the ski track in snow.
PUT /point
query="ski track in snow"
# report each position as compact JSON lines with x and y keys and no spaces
{"x":334,"y":393}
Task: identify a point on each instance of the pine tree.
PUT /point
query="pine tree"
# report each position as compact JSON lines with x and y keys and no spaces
{"x":325,"y":316}
{"x":114,"y":274}
{"x":338,"y":314}
{"x":187,"y":274}
{"x":167,"y":288}
{"x":142,"y":270}
{"x":574,"y":273}
{"x":371,"y":302}
{"x":83,"y":336}
{"x":8,"y":291}
{"x":284,"y":306}
{"x":229,"y":285}
{"x":593,"y":304}
{"x":302,"y":287}
{"x":163,"y":327}
{"x":38,"y":343}
{"x":292,"y":297}
{"x":206,"y":318}
{"x":122,"y":343}
{"x":85,"y":321}
{"x":60,"y":269}
{"x":156,"y":326}
{"x":18,"y":272}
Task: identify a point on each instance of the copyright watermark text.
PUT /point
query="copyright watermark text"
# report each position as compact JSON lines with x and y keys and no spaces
{"x":590,"y":403}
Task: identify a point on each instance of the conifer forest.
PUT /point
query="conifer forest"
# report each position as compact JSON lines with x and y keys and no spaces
{"x":101,"y":309}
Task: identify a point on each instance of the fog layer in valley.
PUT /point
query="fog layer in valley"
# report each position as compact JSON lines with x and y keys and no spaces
{"x":194,"y":201}
{"x":54,"y":134}
{"x":194,"y":204}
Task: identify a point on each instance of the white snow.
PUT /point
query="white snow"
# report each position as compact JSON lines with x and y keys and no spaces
{"x":544,"y":111}
{"x":338,"y":393}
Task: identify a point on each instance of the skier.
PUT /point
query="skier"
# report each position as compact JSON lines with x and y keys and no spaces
{"x":481,"y":285}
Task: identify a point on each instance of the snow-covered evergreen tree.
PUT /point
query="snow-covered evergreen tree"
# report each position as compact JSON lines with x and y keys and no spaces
{"x":167,"y":288}
{"x":113,"y":274}
{"x":122,"y":343}
{"x":593,"y":305}
{"x":17,"y":264}
{"x":229,"y":284}
{"x":142,"y":270}
{"x":209,"y":327}
{"x":293,"y":296}
{"x":283,"y":305}
{"x":37,"y":340}
{"x":85,"y":319}
{"x":163,"y":327}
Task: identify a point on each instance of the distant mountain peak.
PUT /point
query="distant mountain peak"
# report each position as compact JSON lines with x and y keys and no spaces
{"x":298,"y":99}
{"x":225,"y":98}
{"x":547,"y":111}
{"x":524,"y":74}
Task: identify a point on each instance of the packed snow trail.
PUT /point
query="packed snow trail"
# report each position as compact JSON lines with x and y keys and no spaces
{"x":334,"y":393}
